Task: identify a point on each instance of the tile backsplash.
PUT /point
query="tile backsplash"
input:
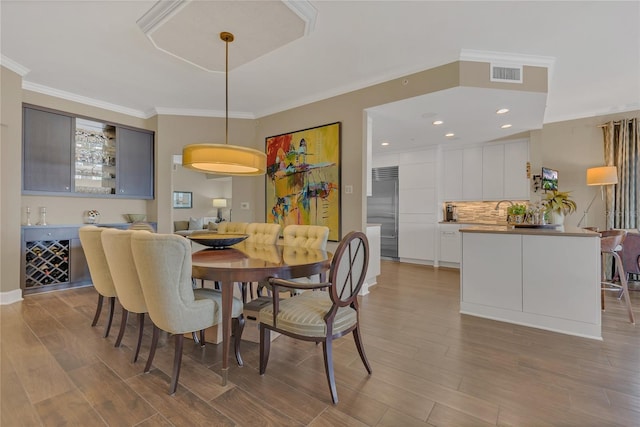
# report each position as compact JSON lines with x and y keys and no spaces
{"x":482,"y":211}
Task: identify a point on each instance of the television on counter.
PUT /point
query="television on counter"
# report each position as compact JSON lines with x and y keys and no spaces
{"x":549,"y":179}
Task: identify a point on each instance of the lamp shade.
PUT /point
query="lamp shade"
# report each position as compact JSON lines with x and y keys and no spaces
{"x":224,"y":159}
{"x":219,"y":203}
{"x":604,"y":175}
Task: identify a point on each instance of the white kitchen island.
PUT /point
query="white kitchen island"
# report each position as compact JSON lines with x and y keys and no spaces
{"x":543,"y":278}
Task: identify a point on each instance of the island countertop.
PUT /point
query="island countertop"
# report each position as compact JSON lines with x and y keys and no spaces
{"x":510,"y":229}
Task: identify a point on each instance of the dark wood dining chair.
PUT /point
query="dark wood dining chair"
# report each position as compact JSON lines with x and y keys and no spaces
{"x":321,"y":316}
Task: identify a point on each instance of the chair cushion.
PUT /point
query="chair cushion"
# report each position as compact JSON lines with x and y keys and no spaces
{"x":304,"y":315}
{"x":212,"y":294}
{"x":263,"y":233}
{"x":180,"y":225}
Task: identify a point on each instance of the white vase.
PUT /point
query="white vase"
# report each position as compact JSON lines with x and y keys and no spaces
{"x":557,"y":217}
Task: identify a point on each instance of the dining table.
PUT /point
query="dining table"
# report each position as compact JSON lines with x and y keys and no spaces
{"x":253,"y":262}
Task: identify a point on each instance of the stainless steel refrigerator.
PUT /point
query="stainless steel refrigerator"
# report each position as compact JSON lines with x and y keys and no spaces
{"x":382,"y":208}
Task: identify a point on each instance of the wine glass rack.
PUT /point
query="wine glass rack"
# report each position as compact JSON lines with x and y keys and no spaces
{"x":47,"y":263}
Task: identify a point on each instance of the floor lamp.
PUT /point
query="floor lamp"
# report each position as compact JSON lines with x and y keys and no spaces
{"x":603,"y":175}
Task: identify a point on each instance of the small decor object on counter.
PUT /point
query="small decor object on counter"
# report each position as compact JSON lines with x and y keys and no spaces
{"x":558,"y":204}
{"x":43,"y":216}
{"x":516,"y":213}
{"x":28,"y":221}
{"x":92,"y":217}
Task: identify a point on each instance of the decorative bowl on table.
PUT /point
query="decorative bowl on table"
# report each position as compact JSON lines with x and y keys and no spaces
{"x":217,"y":241}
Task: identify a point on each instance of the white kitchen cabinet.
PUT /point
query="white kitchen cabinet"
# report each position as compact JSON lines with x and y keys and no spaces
{"x":516,"y":182}
{"x":472,"y":173}
{"x":493,"y":172}
{"x":449,"y":243}
{"x":416,"y":238}
{"x":504,"y":171}
{"x":492,"y":270}
{"x":452,"y":174}
{"x":548,"y":279}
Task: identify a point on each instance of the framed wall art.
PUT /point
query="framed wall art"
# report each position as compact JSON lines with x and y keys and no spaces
{"x":182,"y":200}
{"x":303,"y":178}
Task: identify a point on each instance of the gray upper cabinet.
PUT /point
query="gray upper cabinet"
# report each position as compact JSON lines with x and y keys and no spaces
{"x":47,"y":152}
{"x":135,"y":163}
{"x":66,"y":155}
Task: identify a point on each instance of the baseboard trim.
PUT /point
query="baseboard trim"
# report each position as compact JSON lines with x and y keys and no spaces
{"x":10,"y":297}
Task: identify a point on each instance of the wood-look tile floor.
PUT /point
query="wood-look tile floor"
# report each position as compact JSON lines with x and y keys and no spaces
{"x":431,"y":366}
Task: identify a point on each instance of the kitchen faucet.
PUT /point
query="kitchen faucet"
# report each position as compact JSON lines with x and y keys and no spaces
{"x":498,"y":205}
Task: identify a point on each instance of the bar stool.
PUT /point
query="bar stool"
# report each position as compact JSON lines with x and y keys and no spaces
{"x":610,"y":243}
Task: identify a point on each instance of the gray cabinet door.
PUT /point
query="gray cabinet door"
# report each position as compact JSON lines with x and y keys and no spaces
{"x":135,"y":163}
{"x":47,"y":151}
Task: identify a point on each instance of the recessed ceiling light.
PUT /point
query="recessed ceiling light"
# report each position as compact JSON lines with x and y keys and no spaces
{"x":384,"y":144}
{"x":507,"y":126}
{"x":450,"y":134}
{"x":438,"y":122}
{"x":502,"y":111}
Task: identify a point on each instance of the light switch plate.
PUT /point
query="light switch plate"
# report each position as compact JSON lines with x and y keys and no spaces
{"x":244,"y":205}
{"x":348,"y":189}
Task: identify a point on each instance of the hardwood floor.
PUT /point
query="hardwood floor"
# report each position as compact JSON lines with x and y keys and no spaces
{"x":431,"y":366}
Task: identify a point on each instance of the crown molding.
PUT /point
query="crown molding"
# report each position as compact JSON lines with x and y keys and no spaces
{"x":14,"y":66}
{"x":159,"y":13}
{"x":505,"y":58}
{"x":45,"y":90}
{"x":305,"y":11}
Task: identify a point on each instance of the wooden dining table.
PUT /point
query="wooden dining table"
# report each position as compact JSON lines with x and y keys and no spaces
{"x":253,"y":262}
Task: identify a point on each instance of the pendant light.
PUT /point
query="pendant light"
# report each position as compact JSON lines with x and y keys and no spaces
{"x":224,"y":159}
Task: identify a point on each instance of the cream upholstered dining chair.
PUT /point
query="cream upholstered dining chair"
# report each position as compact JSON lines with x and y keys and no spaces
{"x":117,"y":249}
{"x":321,"y":316}
{"x":225,"y":227}
{"x":306,"y":236}
{"x":302,"y":237}
{"x":263,"y":234}
{"x":163,"y":262}
{"x":91,"y":241}
{"x":611,"y":242}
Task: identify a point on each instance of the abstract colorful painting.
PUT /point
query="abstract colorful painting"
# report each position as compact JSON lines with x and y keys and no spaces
{"x":303,"y":178}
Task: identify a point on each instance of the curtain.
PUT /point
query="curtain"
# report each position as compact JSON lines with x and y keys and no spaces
{"x":622,"y":149}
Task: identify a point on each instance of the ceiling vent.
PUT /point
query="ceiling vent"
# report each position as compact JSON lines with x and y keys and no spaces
{"x":508,"y":74}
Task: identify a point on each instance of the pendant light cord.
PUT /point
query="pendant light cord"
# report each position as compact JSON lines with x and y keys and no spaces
{"x":226,"y":90}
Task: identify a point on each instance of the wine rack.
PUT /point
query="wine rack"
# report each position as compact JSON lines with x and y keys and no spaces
{"x":46,"y":263}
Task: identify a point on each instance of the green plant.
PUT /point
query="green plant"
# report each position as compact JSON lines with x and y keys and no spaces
{"x":517,"y":209}
{"x":559,"y":201}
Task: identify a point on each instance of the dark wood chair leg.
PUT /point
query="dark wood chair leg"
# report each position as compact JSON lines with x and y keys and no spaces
{"x":123,"y":326}
{"x":328,"y":367}
{"x":238,"y":327}
{"x":152,"y":349}
{"x":203,"y":342}
{"x":140,"y":331}
{"x":358,"y":339}
{"x":265,"y":347}
{"x":177,"y":361}
{"x":112,"y":306}
{"x":98,"y":310}
{"x":243,"y":291}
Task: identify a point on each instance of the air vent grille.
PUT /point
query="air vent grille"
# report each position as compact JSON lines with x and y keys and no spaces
{"x":385,"y":174}
{"x":508,"y":74}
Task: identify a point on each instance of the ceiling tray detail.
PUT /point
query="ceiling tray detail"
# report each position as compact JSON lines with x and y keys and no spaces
{"x":189,"y":30}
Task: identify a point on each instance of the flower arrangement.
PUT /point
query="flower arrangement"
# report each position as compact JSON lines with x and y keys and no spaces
{"x":559,"y":202}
